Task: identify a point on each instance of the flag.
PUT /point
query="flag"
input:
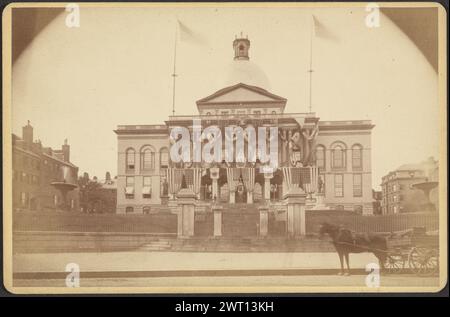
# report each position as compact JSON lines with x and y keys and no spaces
{"x":321,"y":31}
{"x":189,"y":36}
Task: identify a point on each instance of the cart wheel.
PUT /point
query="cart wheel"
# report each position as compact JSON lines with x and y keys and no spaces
{"x":394,"y":263}
{"x":423,"y":261}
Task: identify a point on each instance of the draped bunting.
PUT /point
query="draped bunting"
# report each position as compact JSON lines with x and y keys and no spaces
{"x":248,"y":174}
{"x":233,"y":174}
{"x":304,"y":177}
{"x":192,"y":177}
{"x":287,"y":176}
{"x":174,"y":178}
{"x":197,"y":180}
{"x":314,"y":178}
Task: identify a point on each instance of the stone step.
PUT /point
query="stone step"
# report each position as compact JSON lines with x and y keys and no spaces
{"x":157,"y":245}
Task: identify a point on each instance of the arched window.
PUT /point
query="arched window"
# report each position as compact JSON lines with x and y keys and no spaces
{"x":129,"y":209}
{"x":357,"y":156}
{"x":146,"y":209}
{"x":147,"y":158}
{"x":131,"y":157}
{"x":320,"y":156}
{"x":338,"y":156}
{"x":164,"y":158}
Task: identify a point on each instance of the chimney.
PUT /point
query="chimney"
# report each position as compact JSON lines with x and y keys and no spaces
{"x":66,"y":151}
{"x":27,"y":135}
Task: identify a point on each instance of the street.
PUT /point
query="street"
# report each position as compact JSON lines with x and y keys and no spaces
{"x":404,"y":280}
{"x":202,"y":269}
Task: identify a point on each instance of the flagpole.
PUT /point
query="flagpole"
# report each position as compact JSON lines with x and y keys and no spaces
{"x":311,"y":63}
{"x":174,"y":74}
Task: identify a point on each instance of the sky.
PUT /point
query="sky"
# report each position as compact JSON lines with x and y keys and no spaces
{"x":80,"y":83}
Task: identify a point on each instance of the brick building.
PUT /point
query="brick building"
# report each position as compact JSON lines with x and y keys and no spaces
{"x":35,"y":167}
{"x":398,"y":193}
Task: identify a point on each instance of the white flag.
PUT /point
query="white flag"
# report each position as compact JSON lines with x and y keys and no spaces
{"x":189,"y":36}
{"x":321,"y":31}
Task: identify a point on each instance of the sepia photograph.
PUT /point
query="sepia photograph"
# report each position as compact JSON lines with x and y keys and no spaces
{"x":224,"y":148}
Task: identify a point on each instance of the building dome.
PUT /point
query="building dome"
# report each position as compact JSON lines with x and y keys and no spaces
{"x":242,"y":70}
{"x":246,"y":72}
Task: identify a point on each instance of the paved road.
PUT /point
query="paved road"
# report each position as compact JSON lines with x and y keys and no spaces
{"x":149,"y":261}
{"x":179,"y":269}
{"x":234,"y":281}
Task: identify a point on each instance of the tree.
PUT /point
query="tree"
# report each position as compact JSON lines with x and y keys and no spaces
{"x":89,"y":193}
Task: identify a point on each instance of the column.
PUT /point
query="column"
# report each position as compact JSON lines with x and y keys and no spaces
{"x":263,"y":220}
{"x":289,"y":151}
{"x":217,"y":210}
{"x":296,"y":222}
{"x":186,"y":213}
{"x":267,"y":178}
{"x":284,"y":147}
{"x":249,"y":197}
{"x":214,"y":174}
{"x":232,"y":196}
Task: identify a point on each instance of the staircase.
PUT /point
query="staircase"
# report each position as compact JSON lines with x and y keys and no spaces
{"x":157,"y":245}
{"x":240,"y":220}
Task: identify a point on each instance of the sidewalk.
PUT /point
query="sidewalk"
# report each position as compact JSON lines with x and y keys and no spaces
{"x":184,"y":261}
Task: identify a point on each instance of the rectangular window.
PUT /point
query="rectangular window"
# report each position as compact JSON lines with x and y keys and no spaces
{"x":129,"y":187}
{"x":224,"y":113}
{"x":147,"y":187}
{"x":130,"y":181}
{"x":23,"y":199}
{"x":147,"y":181}
{"x":339,"y":185}
{"x":357,"y":185}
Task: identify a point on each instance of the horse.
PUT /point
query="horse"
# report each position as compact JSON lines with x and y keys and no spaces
{"x":346,"y":242}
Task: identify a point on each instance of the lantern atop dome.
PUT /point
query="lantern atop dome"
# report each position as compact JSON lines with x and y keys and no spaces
{"x":241,"y":46}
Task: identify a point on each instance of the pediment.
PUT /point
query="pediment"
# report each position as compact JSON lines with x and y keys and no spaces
{"x":241,"y":93}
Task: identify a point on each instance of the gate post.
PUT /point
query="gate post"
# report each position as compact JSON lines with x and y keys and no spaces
{"x":217,"y":210}
{"x":263,"y":220}
{"x":296,"y":222}
{"x":186,"y":214}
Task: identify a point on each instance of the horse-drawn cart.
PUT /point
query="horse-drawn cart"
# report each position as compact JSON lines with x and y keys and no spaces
{"x":415,"y":250}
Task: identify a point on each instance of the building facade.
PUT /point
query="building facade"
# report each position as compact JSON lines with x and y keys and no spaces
{"x":329,"y":160}
{"x":35,"y":168}
{"x":398,"y":193}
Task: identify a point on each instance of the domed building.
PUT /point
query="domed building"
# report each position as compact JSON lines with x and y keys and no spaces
{"x":312,"y":165}
{"x":243,"y":70}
